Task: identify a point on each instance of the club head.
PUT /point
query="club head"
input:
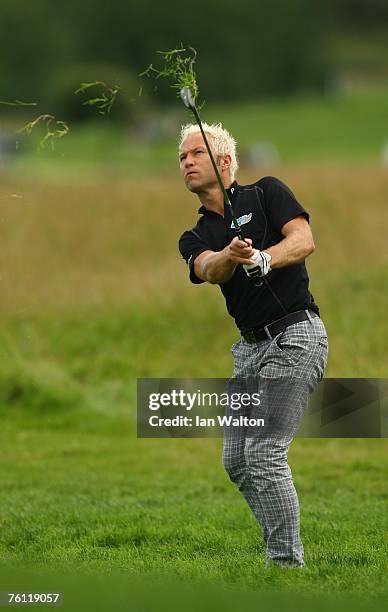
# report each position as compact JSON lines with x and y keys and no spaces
{"x":187,"y":97}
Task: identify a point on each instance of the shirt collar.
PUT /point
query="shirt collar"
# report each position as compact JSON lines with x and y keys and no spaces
{"x":230,"y":191}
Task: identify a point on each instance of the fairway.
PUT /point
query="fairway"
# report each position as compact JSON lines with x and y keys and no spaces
{"x":85,"y":310}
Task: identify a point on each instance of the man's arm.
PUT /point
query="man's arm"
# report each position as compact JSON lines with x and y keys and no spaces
{"x":296,"y":246}
{"x":218,"y":267}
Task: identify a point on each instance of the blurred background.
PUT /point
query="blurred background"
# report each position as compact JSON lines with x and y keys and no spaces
{"x":295,"y":82}
{"x":93,"y":293}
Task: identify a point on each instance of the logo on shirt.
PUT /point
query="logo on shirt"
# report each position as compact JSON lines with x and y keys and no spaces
{"x":242,"y":220}
{"x":189,"y":260}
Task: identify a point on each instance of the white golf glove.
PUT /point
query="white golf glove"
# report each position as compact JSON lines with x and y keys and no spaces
{"x":261,"y":265}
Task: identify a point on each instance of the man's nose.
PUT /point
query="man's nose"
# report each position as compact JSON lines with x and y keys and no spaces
{"x":188,"y":161}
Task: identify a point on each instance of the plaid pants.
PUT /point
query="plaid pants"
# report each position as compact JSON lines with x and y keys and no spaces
{"x":256,"y":462}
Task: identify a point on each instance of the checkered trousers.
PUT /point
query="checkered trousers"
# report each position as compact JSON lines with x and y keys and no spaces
{"x":284,"y":369}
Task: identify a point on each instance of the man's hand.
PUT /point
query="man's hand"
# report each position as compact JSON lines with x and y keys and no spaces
{"x":240,"y":251}
{"x":261,"y":265}
{"x":255,"y":263}
{"x":219,"y":266}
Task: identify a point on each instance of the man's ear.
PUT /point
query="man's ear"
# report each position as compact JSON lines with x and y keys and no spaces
{"x":226,"y":161}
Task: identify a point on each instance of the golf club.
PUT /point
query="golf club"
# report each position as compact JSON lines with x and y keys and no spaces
{"x":189,"y":101}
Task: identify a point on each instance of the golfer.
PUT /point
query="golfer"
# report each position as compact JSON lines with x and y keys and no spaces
{"x":282,"y":337}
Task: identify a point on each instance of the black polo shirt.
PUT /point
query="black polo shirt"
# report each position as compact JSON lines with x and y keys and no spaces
{"x":261,"y":209}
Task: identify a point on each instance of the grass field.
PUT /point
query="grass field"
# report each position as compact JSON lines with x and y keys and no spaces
{"x":94,"y":295}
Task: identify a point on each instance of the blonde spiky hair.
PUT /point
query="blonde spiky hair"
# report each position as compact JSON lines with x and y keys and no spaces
{"x":223,"y":142}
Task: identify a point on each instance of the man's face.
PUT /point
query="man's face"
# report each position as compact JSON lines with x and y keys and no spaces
{"x":195,"y":163}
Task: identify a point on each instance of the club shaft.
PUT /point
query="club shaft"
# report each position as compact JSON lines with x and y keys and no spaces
{"x":221,"y":184}
{"x":257,"y":282}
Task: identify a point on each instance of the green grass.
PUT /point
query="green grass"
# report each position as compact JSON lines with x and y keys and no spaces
{"x":336,"y":127}
{"x":105,"y":501}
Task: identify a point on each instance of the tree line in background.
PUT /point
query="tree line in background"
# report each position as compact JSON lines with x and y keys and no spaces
{"x":245,"y":50}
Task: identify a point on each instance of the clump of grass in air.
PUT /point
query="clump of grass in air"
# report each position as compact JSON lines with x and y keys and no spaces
{"x":55,"y":129}
{"x":103,"y":101}
{"x":18,"y":103}
{"x":179,"y":67}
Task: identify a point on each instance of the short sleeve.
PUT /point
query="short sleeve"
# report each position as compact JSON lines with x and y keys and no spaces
{"x":281,"y":204}
{"x":190,"y":246}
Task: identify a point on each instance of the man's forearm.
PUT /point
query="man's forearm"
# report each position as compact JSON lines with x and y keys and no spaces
{"x":292,"y":249}
{"x":217,"y":267}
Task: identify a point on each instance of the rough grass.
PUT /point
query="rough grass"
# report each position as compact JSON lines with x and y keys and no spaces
{"x":110,"y":246}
